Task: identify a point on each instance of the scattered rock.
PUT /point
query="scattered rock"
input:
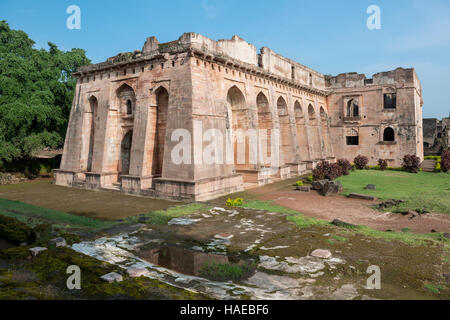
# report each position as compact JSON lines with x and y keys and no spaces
{"x":136,"y":272}
{"x":319,"y":184}
{"x":390,"y":203}
{"x":371,"y":187}
{"x":303,"y":188}
{"x":447,"y":235}
{"x":112,"y":277}
{"x":36,"y":250}
{"x":183,"y":221}
{"x":321,"y":253}
{"x":58,"y":242}
{"x":224,"y":236}
{"x":330,"y":188}
{"x":341,"y":223}
{"x":361,"y":196}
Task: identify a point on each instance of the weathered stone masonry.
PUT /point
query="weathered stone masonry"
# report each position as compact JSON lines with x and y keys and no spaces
{"x":126,"y":109}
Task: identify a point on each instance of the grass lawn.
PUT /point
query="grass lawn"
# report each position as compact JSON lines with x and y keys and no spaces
{"x":422,"y":191}
{"x":159,"y":217}
{"x":33,"y":216}
{"x":93,"y":204}
{"x":302,"y":221}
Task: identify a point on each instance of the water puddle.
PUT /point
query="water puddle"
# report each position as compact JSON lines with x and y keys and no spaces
{"x":184,"y":260}
{"x":4,"y":244}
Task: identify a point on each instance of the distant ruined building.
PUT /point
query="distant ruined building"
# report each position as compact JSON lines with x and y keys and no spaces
{"x":436,"y":136}
{"x":126,"y":111}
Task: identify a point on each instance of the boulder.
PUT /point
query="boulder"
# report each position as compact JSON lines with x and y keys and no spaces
{"x":341,"y":223}
{"x":303,"y":188}
{"x":58,"y":242}
{"x":329,"y":188}
{"x":321,"y":253}
{"x":319,"y":184}
{"x":370,"y":187}
{"x":361,"y":196}
{"x":136,"y":272}
{"x":112,"y":277}
{"x":36,"y":250}
{"x":447,"y":235}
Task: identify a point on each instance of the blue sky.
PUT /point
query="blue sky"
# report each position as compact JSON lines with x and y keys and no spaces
{"x":329,"y":36}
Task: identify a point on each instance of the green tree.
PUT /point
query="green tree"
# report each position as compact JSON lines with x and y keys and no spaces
{"x":36,"y":92}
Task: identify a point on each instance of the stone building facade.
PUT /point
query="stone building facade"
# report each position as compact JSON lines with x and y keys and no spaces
{"x":127,"y":113}
{"x":436,"y":136}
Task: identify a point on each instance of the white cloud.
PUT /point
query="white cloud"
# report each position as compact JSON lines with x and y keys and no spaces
{"x":210,"y":10}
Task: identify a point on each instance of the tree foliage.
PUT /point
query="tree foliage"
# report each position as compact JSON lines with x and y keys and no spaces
{"x":36,"y":92}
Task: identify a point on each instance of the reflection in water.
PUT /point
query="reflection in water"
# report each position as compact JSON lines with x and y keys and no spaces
{"x":183,"y":260}
{"x":6,"y":244}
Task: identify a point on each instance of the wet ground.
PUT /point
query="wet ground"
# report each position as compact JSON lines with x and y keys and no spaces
{"x":359,"y":212}
{"x":281,"y":251}
{"x":101,"y":204}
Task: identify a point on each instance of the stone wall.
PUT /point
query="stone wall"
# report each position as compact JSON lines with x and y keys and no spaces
{"x":373,"y":118}
{"x":128,"y":111}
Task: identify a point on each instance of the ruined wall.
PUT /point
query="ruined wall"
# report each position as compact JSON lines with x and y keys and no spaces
{"x":373,"y":119}
{"x":128,"y":109}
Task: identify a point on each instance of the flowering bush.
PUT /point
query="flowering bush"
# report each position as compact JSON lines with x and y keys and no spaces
{"x":411,"y":163}
{"x":299,"y":183}
{"x":361,"y":162}
{"x":445,"y":161}
{"x":326,"y":170}
{"x":382,"y":163}
{"x":320,"y":171}
{"x":345,"y":166}
{"x":235,"y":202}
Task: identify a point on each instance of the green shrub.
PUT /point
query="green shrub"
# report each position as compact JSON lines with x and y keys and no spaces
{"x":15,"y":231}
{"x":361,"y":162}
{"x":382,"y":163}
{"x":17,"y":253}
{"x":235,"y":202}
{"x":438,"y":167}
{"x":299,"y":183}
{"x":411,"y":163}
{"x":226,"y":271}
{"x":310,"y":178}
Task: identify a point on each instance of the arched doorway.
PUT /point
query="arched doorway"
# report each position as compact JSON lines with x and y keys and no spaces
{"x":162,"y":106}
{"x":302,"y":135}
{"x":239,"y":126}
{"x":127,"y":100}
{"x":91,"y":116}
{"x":265,"y":126}
{"x":285,"y":132}
{"x":125,"y":153}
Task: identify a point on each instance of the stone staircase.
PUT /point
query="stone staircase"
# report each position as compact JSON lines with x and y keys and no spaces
{"x":429,"y":165}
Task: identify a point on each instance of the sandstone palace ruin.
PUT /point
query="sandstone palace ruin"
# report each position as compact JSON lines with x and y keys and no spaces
{"x":126,"y":110}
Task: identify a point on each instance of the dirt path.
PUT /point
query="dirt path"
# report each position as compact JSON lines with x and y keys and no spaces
{"x":349,"y":210}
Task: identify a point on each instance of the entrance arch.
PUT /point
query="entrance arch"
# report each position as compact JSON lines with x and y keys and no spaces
{"x":285,"y":132}
{"x":162,"y":106}
{"x":239,"y":126}
{"x":265,"y":126}
{"x":91,"y":116}
{"x":125,"y":153}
